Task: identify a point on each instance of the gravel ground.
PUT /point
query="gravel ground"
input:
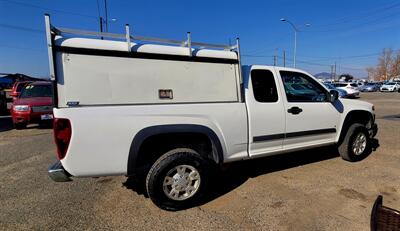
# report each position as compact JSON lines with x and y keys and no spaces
{"x":313,"y":190}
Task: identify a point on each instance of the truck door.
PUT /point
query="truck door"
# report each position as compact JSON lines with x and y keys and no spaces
{"x":265,"y":112}
{"x":310,"y":118}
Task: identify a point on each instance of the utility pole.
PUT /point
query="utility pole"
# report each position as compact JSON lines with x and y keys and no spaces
{"x":101,"y":25}
{"x":275,"y":57}
{"x":284,"y":58}
{"x":106,"y":12}
{"x":332,"y":77}
{"x":335,"y":71}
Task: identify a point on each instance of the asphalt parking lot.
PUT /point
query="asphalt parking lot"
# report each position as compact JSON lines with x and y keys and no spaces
{"x":313,"y":190}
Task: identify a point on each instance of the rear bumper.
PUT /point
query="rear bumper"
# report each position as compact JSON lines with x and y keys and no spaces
{"x":353,"y":95}
{"x":57,"y":173}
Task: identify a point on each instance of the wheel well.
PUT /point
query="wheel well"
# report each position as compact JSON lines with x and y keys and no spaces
{"x":358,"y":116}
{"x":147,"y":148}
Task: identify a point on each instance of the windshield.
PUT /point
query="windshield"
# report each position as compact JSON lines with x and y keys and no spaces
{"x":390,"y":84}
{"x":30,"y":91}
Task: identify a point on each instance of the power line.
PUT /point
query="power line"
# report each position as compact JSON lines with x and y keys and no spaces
{"x":23,"y":48}
{"x":49,"y":9}
{"x":98,"y":8}
{"x":364,"y":23}
{"x":21,"y":28}
{"x":362,"y":15}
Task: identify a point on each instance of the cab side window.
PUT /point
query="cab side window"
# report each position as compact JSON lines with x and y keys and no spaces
{"x":302,"y":88}
{"x":264,"y":87}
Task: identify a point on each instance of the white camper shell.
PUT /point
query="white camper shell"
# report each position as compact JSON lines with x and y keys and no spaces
{"x":138,"y":73}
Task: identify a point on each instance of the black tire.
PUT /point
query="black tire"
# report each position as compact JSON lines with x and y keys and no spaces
{"x":165,"y":164}
{"x":346,"y":147}
{"x":20,"y":126}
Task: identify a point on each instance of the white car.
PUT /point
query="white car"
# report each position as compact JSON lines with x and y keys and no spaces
{"x":391,"y":86}
{"x":350,"y":88}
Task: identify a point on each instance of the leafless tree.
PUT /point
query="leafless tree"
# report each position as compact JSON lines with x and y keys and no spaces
{"x":384,"y":64}
{"x":395,"y":65}
{"x":372,"y":74}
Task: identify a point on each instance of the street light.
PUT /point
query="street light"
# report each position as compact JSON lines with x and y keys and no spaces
{"x":296,"y":29}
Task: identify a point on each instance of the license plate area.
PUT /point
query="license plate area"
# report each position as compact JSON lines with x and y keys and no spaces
{"x":46,"y":117}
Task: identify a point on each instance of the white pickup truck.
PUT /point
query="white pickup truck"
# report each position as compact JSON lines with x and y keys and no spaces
{"x":174,"y":110}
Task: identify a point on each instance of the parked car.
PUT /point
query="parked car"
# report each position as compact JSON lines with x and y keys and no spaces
{"x":33,"y":105}
{"x":175,"y":114}
{"x":342,"y":93}
{"x":3,"y":102}
{"x":16,"y":88}
{"x":369,"y":87}
{"x":390,"y":87}
{"x":350,"y":88}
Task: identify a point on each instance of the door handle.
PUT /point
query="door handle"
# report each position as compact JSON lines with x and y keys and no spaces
{"x":295,"y":110}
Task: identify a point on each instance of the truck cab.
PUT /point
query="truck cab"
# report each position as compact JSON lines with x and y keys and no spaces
{"x":288,"y":109}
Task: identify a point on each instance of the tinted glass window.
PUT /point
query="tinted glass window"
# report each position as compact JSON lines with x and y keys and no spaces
{"x":354,"y":85}
{"x":264,"y":87}
{"x":20,"y":86}
{"x":36,"y":91}
{"x":302,"y":88}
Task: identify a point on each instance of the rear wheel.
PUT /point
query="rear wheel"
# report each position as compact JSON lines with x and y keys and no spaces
{"x":356,"y":145}
{"x":178,"y":179}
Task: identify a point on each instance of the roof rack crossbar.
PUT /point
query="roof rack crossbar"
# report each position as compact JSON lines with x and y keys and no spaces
{"x":60,"y":31}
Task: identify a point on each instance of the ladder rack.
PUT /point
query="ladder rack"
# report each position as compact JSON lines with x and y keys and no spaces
{"x":51,"y":31}
{"x":185,"y":43}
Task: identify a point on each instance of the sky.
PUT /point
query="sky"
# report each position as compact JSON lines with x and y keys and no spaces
{"x":350,"y":33}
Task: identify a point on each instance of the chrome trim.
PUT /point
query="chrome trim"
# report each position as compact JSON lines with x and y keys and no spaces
{"x":57,"y":173}
{"x":48,"y":109}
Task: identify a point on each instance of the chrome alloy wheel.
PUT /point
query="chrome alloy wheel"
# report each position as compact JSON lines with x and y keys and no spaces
{"x":181,"y":182}
{"x":359,"y":144}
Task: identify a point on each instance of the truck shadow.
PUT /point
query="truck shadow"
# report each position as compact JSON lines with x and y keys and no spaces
{"x":5,"y":123}
{"x":233,"y":175}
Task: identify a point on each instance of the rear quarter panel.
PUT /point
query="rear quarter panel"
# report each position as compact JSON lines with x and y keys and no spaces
{"x":102,"y":135}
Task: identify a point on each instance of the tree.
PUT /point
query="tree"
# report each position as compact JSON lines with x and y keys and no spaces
{"x":385,"y":64}
{"x":346,"y":77}
{"x":388,"y":66}
{"x":372,"y":75}
{"x":395,"y":66}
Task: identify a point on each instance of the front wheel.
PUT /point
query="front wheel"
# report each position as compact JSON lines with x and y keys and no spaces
{"x":356,"y":145}
{"x":178,"y":179}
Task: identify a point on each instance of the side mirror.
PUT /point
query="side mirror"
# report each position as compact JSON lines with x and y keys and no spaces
{"x":334,"y":95}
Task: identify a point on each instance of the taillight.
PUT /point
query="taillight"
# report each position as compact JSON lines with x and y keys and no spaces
{"x":62,"y":136}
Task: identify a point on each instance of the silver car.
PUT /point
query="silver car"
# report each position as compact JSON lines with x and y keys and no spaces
{"x":370,"y":87}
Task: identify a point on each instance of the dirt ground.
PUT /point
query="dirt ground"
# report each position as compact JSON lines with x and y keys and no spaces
{"x":313,"y":190}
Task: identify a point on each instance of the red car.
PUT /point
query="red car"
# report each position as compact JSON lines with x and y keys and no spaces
{"x":33,"y":105}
